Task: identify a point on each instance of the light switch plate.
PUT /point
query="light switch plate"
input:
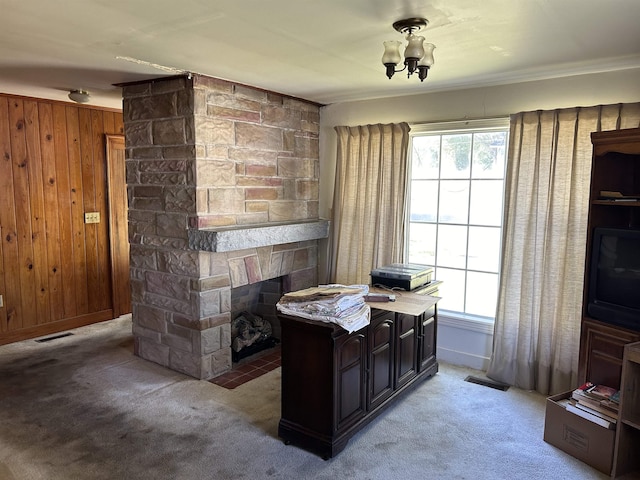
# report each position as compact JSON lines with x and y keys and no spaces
{"x":92,"y":217}
{"x":1,"y":302}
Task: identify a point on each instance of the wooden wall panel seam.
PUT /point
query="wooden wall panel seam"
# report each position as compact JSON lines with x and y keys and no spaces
{"x":77,"y":211}
{"x":36,"y":201}
{"x":64,"y":212}
{"x":23,"y":214}
{"x":52,"y":232}
{"x":8,"y":235}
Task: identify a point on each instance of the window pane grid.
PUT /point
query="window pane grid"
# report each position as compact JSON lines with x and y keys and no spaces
{"x":471,"y":270}
{"x":468,"y":195}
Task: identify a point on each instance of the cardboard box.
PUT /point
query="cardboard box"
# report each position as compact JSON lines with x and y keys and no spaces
{"x":585,"y":440}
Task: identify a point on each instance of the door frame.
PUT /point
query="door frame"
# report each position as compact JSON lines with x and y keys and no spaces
{"x":118,"y":224}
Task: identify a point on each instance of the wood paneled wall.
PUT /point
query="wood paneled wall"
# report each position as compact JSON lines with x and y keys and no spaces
{"x":55,"y":269}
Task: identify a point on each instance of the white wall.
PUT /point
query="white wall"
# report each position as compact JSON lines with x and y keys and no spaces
{"x":465,"y":342}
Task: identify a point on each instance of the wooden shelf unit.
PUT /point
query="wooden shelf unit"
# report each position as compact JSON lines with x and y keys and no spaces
{"x":626,"y":457}
{"x":615,"y":167}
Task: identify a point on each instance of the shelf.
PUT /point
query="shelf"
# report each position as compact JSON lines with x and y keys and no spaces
{"x":632,"y":423}
{"x":633,"y":353}
{"x":627,"y":447}
{"x":618,"y":203}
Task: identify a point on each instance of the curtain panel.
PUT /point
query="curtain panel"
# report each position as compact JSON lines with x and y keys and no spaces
{"x":369,"y":203}
{"x":537,"y":327}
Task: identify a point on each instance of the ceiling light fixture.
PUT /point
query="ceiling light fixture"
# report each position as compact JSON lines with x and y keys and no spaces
{"x":79,"y":96}
{"x":418,"y":56}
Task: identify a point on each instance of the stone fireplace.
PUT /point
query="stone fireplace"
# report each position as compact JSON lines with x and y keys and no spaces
{"x":222,"y":183}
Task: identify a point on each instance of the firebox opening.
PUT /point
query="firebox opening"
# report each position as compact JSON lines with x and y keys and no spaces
{"x":254,"y":325}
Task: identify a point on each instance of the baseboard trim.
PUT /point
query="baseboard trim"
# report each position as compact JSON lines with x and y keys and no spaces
{"x":463,"y":358}
{"x":55,"y":327}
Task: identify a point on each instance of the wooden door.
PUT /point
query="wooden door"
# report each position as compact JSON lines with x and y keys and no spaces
{"x":118,"y":227}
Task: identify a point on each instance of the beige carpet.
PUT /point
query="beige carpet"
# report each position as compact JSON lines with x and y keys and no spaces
{"x":83,"y":407}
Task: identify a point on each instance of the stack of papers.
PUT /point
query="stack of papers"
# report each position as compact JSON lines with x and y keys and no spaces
{"x":343,"y":305}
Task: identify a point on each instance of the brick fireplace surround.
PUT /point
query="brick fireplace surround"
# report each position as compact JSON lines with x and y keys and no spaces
{"x":222,"y":182}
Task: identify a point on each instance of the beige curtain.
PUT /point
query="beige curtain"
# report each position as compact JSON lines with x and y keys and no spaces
{"x":369,"y":202}
{"x":537,"y":328}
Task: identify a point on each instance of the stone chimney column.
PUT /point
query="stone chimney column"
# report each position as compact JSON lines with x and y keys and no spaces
{"x":207,"y":154}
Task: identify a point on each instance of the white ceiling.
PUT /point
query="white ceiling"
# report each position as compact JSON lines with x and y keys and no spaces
{"x":326,"y":51}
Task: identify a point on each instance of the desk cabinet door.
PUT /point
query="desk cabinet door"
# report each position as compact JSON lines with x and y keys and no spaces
{"x":406,"y":348}
{"x":428,"y":340}
{"x":381,"y":358}
{"x":350,"y":379}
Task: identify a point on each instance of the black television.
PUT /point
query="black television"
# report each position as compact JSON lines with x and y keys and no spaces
{"x":614,"y":277}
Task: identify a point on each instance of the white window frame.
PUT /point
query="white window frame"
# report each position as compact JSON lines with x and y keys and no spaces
{"x":455,"y":318}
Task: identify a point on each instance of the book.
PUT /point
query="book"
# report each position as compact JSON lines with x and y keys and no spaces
{"x":597,"y":391}
{"x":597,"y":411}
{"x":585,"y":386}
{"x":597,"y":405}
{"x":589,"y":401}
{"x":610,"y":406}
{"x":592,"y":418}
{"x":601,"y":392}
{"x":615,"y":397}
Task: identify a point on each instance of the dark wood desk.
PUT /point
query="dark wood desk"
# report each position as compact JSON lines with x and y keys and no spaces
{"x":334,"y":383}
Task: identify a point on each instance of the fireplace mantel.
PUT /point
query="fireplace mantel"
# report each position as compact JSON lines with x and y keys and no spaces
{"x":242,"y":237}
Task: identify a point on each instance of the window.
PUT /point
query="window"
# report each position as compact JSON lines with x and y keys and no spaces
{"x":455,"y":210}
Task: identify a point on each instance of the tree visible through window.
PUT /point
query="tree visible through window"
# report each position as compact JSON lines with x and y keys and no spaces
{"x":455,"y":223}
